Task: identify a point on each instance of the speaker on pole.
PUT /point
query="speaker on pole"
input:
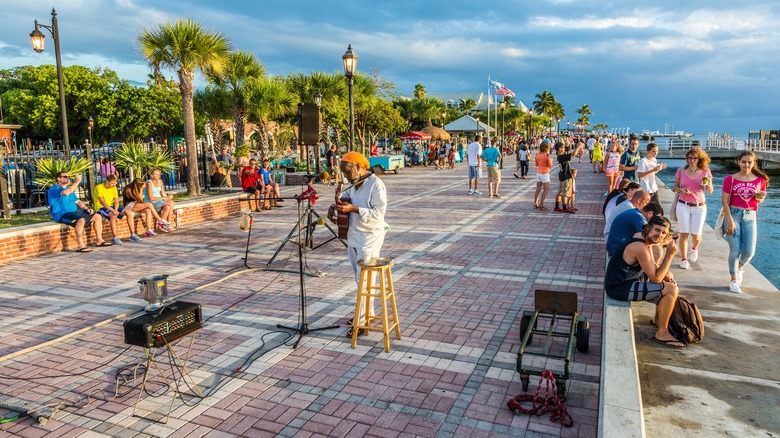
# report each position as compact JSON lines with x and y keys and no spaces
{"x":308,"y":124}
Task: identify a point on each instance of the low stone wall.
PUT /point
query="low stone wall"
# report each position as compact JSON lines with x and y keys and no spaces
{"x":30,"y":240}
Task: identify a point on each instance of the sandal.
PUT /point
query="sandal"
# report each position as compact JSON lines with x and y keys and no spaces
{"x":104,"y":244}
{"x":360,"y":332}
{"x":350,"y":321}
{"x":544,"y":209}
{"x":84,"y":249}
{"x":672,"y":343}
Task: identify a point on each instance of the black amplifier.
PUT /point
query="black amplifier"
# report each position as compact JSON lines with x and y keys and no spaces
{"x":166,"y":324}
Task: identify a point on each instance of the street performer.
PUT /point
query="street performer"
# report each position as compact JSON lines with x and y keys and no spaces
{"x":365,"y":202}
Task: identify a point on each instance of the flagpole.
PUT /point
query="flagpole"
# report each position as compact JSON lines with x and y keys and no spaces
{"x":487,"y":129}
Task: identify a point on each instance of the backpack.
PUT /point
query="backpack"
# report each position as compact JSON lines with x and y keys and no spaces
{"x":686,"y":323}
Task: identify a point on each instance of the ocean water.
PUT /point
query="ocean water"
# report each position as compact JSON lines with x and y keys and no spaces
{"x":768,"y":216}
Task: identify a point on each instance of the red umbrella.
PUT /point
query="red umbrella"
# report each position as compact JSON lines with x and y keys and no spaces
{"x":512,"y":134}
{"x":415,"y":135}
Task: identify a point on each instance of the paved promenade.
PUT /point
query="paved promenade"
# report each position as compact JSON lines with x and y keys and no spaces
{"x":465,"y":269}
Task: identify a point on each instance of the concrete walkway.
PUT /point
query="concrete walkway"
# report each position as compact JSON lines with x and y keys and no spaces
{"x":465,"y":269}
{"x":728,"y":385}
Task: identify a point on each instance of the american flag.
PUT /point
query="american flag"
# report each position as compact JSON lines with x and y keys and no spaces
{"x":501,"y":90}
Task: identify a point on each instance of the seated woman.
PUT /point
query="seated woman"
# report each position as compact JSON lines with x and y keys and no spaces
{"x":133,"y":195}
{"x":270,"y":187}
{"x":217,"y":174}
{"x":155,"y":193}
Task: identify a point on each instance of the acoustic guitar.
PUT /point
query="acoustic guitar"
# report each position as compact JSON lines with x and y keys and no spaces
{"x":342,"y":219}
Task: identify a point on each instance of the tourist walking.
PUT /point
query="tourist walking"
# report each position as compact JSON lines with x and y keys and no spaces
{"x":690,"y":182}
{"x":543,"y":163}
{"x":473,"y":152}
{"x":742,"y":192}
{"x":612,"y":167}
{"x":597,"y":157}
{"x":648,"y":167}
{"x":630,"y":160}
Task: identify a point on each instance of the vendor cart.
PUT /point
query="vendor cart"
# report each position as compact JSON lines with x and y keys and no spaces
{"x":555,"y":325}
{"x":387,"y":163}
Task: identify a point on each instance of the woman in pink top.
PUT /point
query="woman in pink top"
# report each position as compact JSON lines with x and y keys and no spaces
{"x":543,"y":165}
{"x":742,"y":192}
{"x":612,"y":165}
{"x":690,"y":182}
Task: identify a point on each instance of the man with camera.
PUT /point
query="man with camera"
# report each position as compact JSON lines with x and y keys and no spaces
{"x":633,"y":275}
{"x":67,"y":208}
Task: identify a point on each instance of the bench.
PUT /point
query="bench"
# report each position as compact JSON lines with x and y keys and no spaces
{"x":620,"y":398}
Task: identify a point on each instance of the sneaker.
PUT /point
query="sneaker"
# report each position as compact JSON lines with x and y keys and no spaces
{"x":566,"y":210}
{"x":574,"y":209}
{"x":135,"y":238}
{"x":557,"y":210}
{"x":740,"y":274}
{"x":497,"y":195}
{"x":734,"y":287}
{"x":684,"y":264}
{"x":693,"y":255}
{"x":150,"y":233}
{"x":471,"y":192}
{"x":163,"y":223}
{"x":477,"y":193}
{"x":164,"y":228}
{"x":116,"y":241}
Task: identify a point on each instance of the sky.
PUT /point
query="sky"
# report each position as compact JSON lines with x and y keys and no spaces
{"x":694,"y":66}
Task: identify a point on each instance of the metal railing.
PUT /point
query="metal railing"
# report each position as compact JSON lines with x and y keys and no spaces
{"x":18,"y":167}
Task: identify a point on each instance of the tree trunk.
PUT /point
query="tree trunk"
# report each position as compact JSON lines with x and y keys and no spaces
{"x":186,"y":78}
{"x":238,"y":125}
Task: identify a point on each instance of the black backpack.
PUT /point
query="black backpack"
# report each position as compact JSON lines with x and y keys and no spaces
{"x":686,"y":323}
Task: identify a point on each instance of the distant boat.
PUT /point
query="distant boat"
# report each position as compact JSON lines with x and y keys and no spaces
{"x":647,"y":135}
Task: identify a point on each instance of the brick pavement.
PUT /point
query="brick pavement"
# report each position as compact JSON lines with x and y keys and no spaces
{"x":465,"y":270}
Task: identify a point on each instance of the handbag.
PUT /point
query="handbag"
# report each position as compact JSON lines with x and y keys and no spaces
{"x":720,"y":222}
{"x":675,"y":201}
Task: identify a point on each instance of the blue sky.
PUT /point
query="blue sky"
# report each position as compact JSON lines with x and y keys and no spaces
{"x":692,"y":65}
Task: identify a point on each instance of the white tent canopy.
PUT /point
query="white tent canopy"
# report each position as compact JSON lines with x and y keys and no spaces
{"x":467,"y":124}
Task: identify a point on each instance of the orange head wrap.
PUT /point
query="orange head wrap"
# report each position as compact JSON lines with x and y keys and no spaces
{"x":356,"y":158}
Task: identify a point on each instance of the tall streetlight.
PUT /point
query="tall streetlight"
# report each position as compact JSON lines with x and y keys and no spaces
{"x":443,"y":118}
{"x":91,"y":168}
{"x":318,"y":102}
{"x":568,"y":127}
{"x":37,"y":37}
{"x":350,"y":67}
{"x":531,"y":122}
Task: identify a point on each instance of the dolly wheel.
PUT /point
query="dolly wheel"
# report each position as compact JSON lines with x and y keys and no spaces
{"x":560,"y":385}
{"x":583,"y":336}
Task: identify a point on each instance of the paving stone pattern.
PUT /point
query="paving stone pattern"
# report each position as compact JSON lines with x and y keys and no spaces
{"x":466,"y":268}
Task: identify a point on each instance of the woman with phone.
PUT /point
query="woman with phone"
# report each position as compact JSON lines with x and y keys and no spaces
{"x":742,"y":192}
{"x":691,"y":182}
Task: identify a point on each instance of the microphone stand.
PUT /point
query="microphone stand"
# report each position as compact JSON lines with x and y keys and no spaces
{"x":303,"y":327}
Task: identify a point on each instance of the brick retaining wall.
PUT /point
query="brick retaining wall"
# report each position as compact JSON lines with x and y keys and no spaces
{"x":29,"y":240}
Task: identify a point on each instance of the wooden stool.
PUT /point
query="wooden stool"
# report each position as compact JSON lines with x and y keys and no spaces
{"x":384,"y":292}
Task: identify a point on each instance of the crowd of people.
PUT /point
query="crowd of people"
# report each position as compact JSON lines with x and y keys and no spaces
{"x":148,"y":199}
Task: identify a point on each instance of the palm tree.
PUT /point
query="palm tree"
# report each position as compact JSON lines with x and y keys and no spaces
{"x":428,"y":109}
{"x":420,"y":92}
{"x":215,"y":105}
{"x":239,"y":70}
{"x":544,"y":104}
{"x":557,"y":113}
{"x":584,"y":111}
{"x":269,"y":100}
{"x":185,"y":47}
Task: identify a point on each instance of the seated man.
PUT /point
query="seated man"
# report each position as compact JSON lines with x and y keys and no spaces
{"x":638,"y":200}
{"x":628,"y":223}
{"x":270,"y":187}
{"x":633,"y":275}
{"x":67,"y":208}
{"x":106,"y":199}
{"x":250,"y":182}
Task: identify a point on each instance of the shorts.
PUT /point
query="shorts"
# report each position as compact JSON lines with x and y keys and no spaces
{"x":543,"y":177}
{"x":158,"y":204}
{"x":493,"y":174}
{"x":251,"y":190}
{"x":611,"y":172}
{"x":71,"y":218}
{"x":106,"y":213}
{"x":564,"y":188}
{"x":691,"y":219}
{"x":473,"y":172}
{"x":640,"y":290}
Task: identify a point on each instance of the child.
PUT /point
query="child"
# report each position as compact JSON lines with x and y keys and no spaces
{"x":573,"y":189}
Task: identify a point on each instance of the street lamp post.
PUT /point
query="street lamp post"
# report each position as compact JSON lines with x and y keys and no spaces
{"x":318,"y":102}
{"x":350,"y":67}
{"x":37,"y":37}
{"x":568,"y":127}
{"x":443,"y":118}
{"x":502,"y":105}
{"x":91,"y":168}
{"x":531,"y":122}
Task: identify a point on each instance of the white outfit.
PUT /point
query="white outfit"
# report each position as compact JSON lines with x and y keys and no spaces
{"x":648,"y":183}
{"x":367,"y":228}
{"x":473,"y":151}
{"x":691,"y":219}
{"x":591,"y":143}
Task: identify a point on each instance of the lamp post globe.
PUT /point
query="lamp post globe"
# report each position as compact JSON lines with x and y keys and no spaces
{"x":350,"y":67}
{"x":37,"y":38}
